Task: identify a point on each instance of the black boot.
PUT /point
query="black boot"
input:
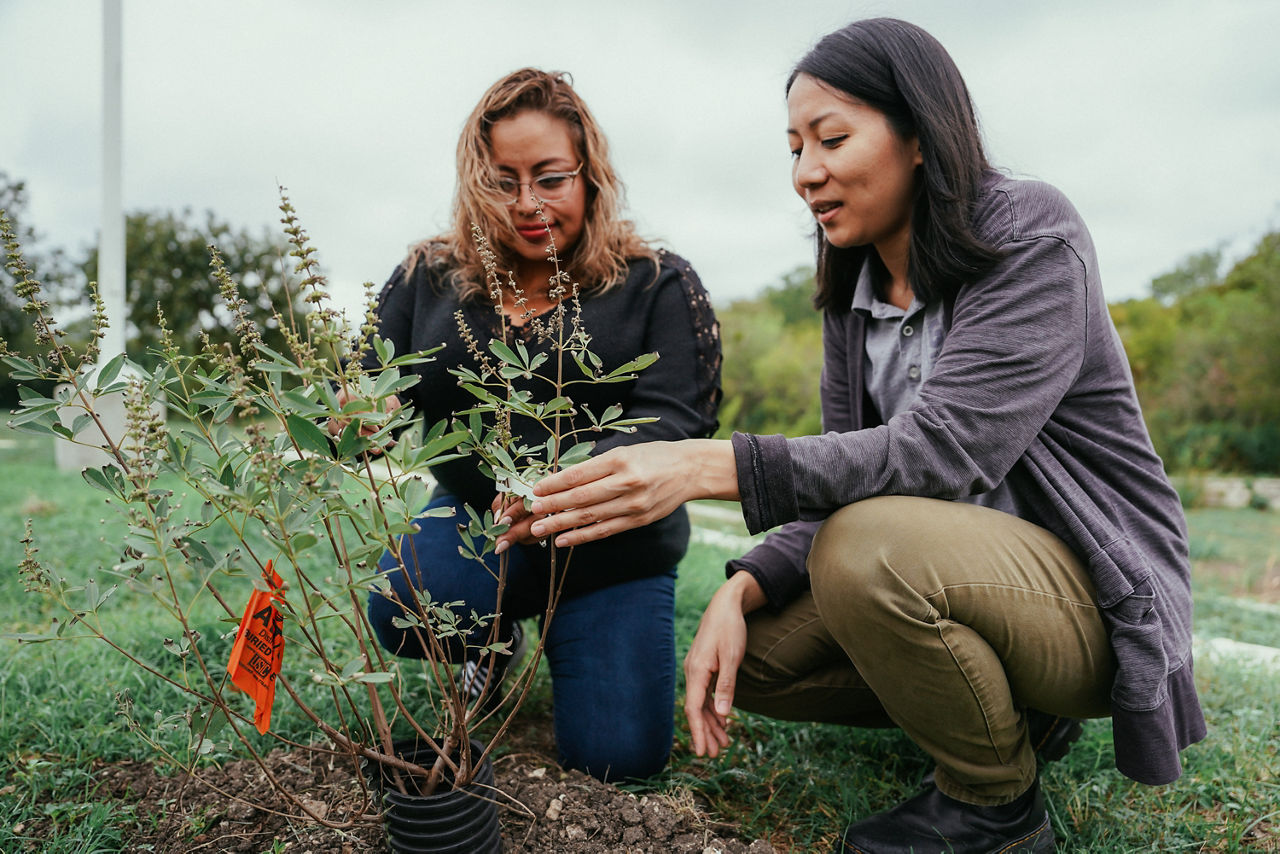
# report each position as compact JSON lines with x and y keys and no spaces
{"x":1051,"y":736}
{"x":932,"y":823}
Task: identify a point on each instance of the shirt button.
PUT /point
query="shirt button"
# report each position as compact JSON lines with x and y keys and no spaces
{"x":914,"y":372}
{"x":908,"y":330}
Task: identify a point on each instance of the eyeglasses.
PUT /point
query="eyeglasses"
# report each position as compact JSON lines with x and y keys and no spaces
{"x":547,"y":187}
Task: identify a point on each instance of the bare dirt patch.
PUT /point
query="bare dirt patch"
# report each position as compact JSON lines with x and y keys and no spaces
{"x":180,"y":816}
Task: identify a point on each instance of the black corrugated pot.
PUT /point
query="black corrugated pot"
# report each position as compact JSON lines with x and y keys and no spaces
{"x":450,"y":821}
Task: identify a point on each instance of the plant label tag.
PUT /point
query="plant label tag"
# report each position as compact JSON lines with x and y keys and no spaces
{"x":259,"y":650}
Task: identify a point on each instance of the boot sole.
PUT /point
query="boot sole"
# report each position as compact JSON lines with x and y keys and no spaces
{"x":1039,"y":841}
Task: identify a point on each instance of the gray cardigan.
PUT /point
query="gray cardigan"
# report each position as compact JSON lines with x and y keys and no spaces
{"x":1031,"y":387}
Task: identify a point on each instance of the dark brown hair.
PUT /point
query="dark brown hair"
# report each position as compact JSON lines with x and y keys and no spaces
{"x":902,"y":71}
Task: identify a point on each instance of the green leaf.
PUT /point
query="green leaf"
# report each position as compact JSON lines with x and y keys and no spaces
{"x":484,"y":395}
{"x":22,"y":370}
{"x":382,"y":386}
{"x":92,"y":595}
{"x":407,"y":621}
{"x":274,"y":356}
{"x":506,"y":354}
{"x":465,"y":373}
{"x":81,"y":423}
{"x":33,"y":400}
{"x":308,"y":436}
{"x":43,"y":416}
{"x":385,"y":349}
{"x":301,"y":403}
{"x":402,"y":383}
{"x":376,"y":678}
{"x":421,"y":357}
{"x":349,"y":440}
{"x":637,"y":364}
{"x":576,"y":454}
{"x":98,"y":478}
{"x":443,"y":443}
{"x":303,"y":541}
{"x":110,"y":371}
{"x":513,"y":484}
{"x":625,"y":425}
{"x":557,"y":406}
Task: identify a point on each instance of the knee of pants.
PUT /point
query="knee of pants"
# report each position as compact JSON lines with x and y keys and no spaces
{"x":611,"y":754}
{"x":383,"y":610}
{"x":853,"y":544}
{"x":864,"y":566}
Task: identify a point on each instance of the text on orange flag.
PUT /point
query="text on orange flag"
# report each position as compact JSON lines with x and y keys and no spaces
{"x":259,"y":649}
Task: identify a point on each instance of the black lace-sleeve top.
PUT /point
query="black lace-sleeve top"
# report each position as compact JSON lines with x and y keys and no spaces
{"x":660,"y":308}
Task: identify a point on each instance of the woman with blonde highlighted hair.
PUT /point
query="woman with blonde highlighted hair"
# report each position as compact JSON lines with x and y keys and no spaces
{"x":607,"y":242}
{"x":534,"y":178}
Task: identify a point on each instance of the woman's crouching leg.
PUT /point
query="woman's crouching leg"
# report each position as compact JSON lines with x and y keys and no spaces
{"x":793,"y":669}
{"x":960,"y":617}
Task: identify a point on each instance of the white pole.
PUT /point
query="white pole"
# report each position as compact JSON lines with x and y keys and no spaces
{"x":111,"y":265}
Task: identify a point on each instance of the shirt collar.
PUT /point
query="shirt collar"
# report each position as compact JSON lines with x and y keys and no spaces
{"x":868,"y":305}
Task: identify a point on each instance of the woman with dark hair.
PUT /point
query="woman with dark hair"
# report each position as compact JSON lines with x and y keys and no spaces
{"x":992,"y":549}
{"x":534,"y":169}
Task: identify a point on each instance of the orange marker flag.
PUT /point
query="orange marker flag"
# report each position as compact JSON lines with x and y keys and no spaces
{"x":259,"y":650}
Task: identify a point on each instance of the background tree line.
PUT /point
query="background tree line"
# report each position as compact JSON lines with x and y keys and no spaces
{"x":1204,"y":348}
{"x":167,"y":265}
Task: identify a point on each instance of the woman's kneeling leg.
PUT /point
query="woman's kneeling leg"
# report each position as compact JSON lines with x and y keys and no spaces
{"x":612,"y":657}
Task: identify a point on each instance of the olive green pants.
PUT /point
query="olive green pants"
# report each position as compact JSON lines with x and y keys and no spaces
{"x":945,"y":619}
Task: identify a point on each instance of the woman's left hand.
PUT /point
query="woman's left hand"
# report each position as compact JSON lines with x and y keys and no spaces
{"x":511,"y":510}
{"x":631,"y":486}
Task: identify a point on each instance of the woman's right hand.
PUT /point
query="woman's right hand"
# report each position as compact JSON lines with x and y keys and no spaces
{"x":630,"y":486}
{"x":337,"y":425}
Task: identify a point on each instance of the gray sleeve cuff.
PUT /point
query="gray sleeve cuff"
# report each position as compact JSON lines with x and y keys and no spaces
{"x":765,"y":481}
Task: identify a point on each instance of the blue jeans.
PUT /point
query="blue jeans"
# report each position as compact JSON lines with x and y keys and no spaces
{"x":611,"y":651}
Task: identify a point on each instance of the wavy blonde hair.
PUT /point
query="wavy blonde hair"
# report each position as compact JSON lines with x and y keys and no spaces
{"x":598,"y":260}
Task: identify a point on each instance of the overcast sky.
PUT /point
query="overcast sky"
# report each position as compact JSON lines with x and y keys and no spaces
{"x":1159,"y":119}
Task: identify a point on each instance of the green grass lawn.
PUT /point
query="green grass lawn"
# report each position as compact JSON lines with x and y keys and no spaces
{"x":794,"y":784}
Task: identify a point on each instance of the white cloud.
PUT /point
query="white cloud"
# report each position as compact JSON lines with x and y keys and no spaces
{"x":1158,"y":119}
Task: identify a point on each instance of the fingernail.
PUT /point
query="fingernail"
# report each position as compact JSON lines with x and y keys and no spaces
{"x":722,"y":707}
{"x":538,"y":529}
{"x":505,"y":520}
{"x":500,"y":547}
{"x":535,"y":507}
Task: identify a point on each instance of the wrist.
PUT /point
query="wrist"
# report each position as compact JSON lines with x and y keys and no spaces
{"x":715,"y":469}
{"x":743,"y":589}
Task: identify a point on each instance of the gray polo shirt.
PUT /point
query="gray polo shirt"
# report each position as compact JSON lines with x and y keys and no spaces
{"x":900,"y":350}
